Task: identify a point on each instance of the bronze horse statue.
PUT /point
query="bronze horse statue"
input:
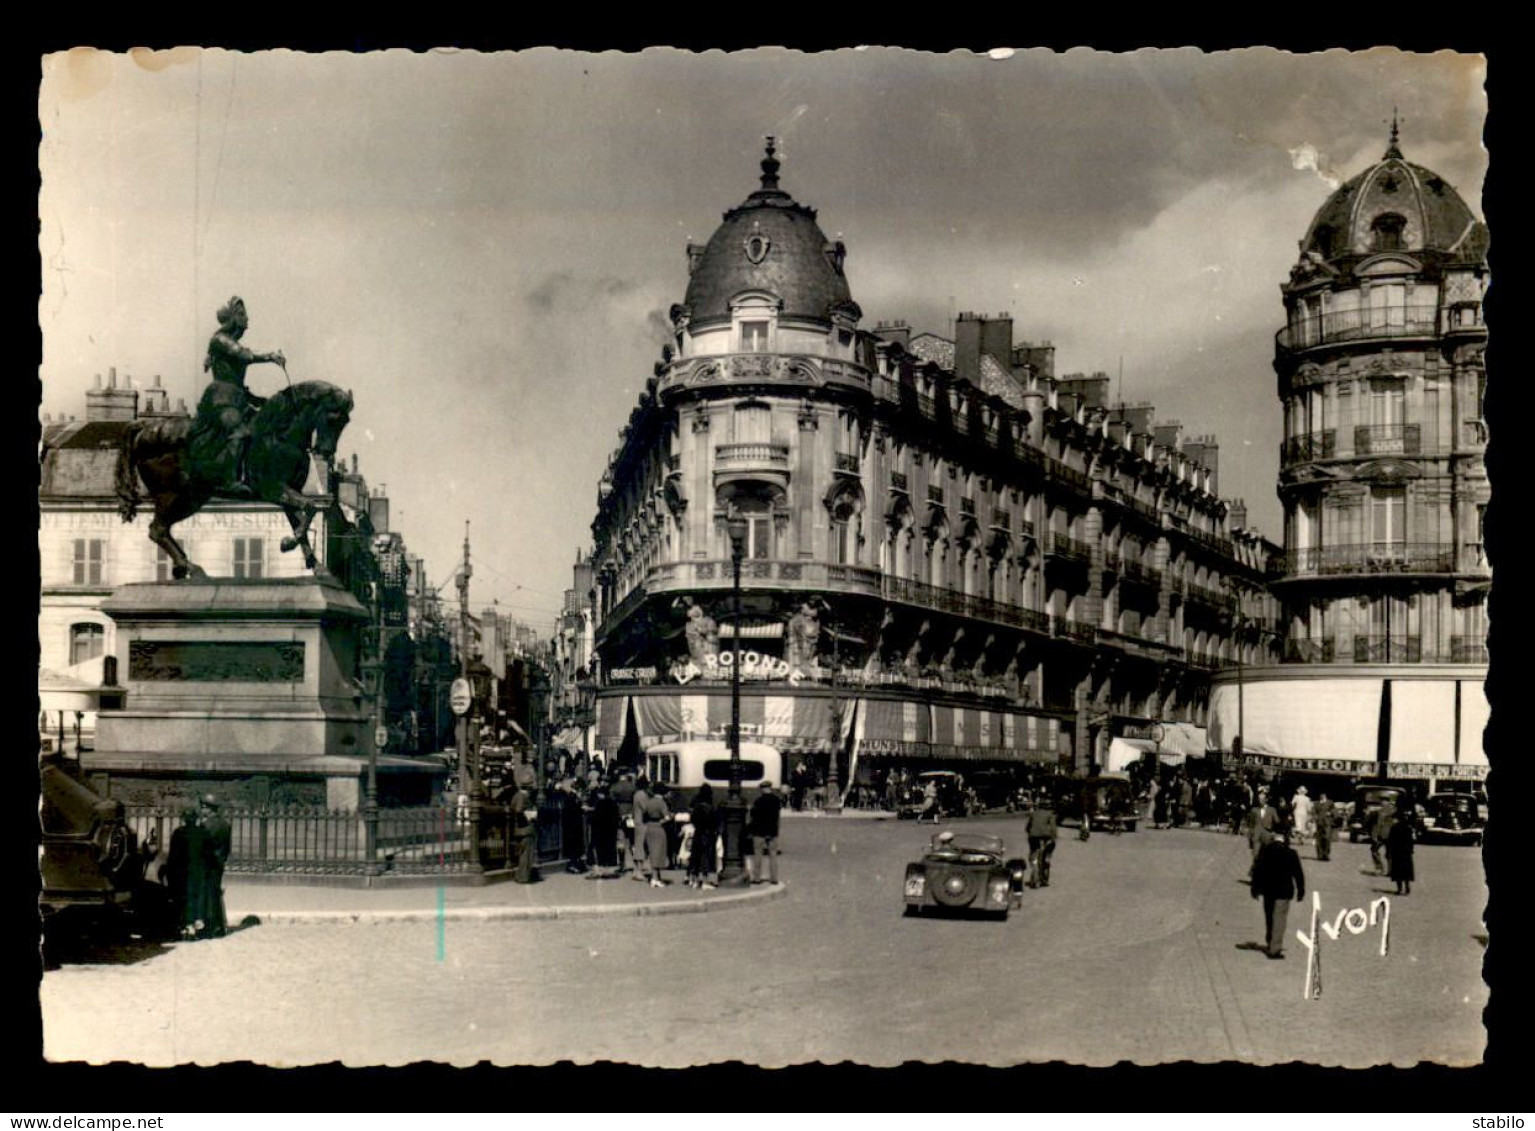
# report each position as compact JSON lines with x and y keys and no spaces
{"x":303,"y":418}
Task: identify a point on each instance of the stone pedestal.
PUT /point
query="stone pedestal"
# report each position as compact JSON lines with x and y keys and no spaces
{"x":244,"y":686}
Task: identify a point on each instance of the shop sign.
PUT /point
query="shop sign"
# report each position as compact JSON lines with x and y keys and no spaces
{"x":751,"y":665}
{"x":632,"y":675}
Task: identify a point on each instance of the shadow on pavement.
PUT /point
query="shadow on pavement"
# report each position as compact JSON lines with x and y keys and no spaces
{"x":1258,"y":946}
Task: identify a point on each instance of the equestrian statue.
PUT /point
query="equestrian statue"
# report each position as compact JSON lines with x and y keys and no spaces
{"x":239,"y":446}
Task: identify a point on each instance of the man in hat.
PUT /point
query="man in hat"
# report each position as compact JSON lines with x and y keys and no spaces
{"x":220,"y":439}
{"x":1277,"y":878}
{"x":1323,"y":817}
{"x":217,"y":845}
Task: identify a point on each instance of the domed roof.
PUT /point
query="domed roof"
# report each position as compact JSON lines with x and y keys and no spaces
{"x":1396,"y":205}
{"x":768,"y":243}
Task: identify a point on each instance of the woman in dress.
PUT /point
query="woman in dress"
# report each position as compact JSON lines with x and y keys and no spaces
{"x":702,"y":864}
{"x":656,"y":848}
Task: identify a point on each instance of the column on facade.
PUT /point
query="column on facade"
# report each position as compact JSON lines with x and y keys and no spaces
{"x":810,"y":521}
{"x":1093,"y":535}
{"x":1161,"y":561}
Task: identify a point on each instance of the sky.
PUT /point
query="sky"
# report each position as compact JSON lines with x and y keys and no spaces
{"x":483,"y":246}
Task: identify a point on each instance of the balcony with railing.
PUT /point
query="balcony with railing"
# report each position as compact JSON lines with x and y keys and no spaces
{"x":1468,"y":649}
{"x":1065,"y":475}
{"x":1387,"y":650}
{"x":847,"y":463}
{"x":752,"y":459}
{"x":1139,"y":573}
{"x":1304,"y":449}
{"x":898,"y":481}
{"x":1309,"y":651}
{"x":1068,"y":629}
{"x":1364,"y":324}
{"x":1370,"y":558}
{"x":1067,"y":548}
{"x":906,"y":591}
{"x":1387,"y":439}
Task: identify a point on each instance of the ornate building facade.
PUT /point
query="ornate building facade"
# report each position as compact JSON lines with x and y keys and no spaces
{"x":948,"y":552}
{"x":1384,"y":580}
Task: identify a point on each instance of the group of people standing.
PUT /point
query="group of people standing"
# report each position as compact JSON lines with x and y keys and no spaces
{"x":193,"y":871}
{"x":634,"y":824}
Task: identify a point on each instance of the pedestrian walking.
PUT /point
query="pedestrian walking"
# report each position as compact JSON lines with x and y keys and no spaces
{"x":1301,"y":813}
{"x":656,"y":815}
{"x":607,"y":822}
{"x":1399,"y":842}
{"x":1323,"y":818}
{"x":1159,"y":806}
{"x":1042,"y":834}
{"x":929,"y":803}
{"x":572,"y":827}
{"x":1262,"y":823}
{"x":523,"y":813}
{"x":1277,"y":879}
{"x":762,"y":823}
{"x":217,"y":846}
{"x":638,"y":857}
{"x":703,"y":866}
{"x":1380,"y":833}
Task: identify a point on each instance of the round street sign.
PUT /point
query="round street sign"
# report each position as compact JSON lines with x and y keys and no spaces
{"x":460,"y":697}
{"x":381,"y":737}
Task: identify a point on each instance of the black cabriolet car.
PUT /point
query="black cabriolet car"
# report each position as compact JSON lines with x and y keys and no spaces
{"x":965,"y":872}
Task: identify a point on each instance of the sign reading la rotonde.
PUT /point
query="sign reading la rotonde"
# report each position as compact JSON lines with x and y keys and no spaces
{"x":749,"y":665}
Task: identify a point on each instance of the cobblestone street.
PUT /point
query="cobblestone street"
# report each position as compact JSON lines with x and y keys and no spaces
{"x":1135,"y":952}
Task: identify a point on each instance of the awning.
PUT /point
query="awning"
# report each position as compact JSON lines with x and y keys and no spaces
{"x":571,"y":738}
{"x":1298,"y":718}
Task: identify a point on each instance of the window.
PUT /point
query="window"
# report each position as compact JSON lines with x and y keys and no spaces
{"x":754,"y":337}
{"x":86,"y":642}
{"x":164,"y":567}
{"x":841,"y":545}
{"x":1387,"y":403}
{"x":1388,"y":306}
{"x":752,"y":423}
{"x":88,"y":553}
{"x":250,"y":557}
{"x":1388,"y":512}
{"x":759,"y":529}
{"x":1388,"y":230}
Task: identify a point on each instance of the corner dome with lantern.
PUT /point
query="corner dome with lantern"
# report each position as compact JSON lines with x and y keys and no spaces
{"x":1395,"y":205}
{"x":768,"y":254}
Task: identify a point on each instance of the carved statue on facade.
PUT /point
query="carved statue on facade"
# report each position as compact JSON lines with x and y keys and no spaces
{"x":702,"y":634}
{"x":802,"y":636}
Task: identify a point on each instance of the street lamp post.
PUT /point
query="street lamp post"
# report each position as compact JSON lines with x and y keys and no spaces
{"x":733,"y":811}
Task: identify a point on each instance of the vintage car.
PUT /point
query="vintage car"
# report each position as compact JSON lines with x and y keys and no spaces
{"x":1453,"y":818}
{"x":965,"y":872}
{"x":92,"y":864}
{"x":1103,"y":801}
{"x":954,"y":799}
{"x":1368,"y":801}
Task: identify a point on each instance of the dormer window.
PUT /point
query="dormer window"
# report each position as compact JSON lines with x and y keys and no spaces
{"x":754,"y":337}
{"x":1388,"y":232}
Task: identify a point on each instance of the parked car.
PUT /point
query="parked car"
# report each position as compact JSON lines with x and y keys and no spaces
{"x":92,"y":864}
{"x":1453,"y":818}
{"x":1368,"y":801}
{"x":965,"y":872}
{"x":994,"y":789}
{"x":954,"y":800}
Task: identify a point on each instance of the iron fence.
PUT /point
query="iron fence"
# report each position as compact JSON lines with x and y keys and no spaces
{"x":315,"y":841}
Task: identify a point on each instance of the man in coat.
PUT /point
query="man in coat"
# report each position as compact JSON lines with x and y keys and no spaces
{"x":1324,"y":816}
{"x":1380,"y":832}
{"x":1262,"y":820}
{"x":1277,"y":879}
{"x":523,"y":814}
{"x":762,"y":823}
{"x":220,"y":840}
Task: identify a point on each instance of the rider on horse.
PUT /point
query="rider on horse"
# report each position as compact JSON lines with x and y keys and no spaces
{"x":222,"y":432}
